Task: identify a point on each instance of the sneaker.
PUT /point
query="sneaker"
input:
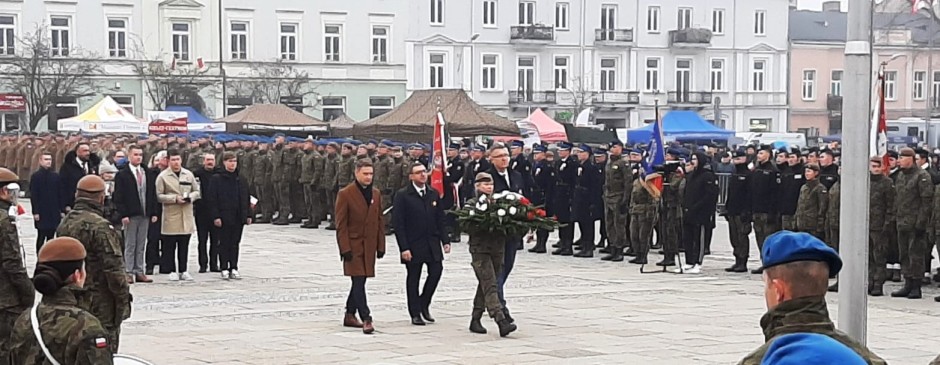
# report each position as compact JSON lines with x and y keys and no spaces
{"x":687,"y":267}
{"x":680,"y":270}
{"x":174,"y":277}
{"x":185,"y":276}
{"x":696,"y":269}
{"x":234,"y":275}
{"x":225,"y":275}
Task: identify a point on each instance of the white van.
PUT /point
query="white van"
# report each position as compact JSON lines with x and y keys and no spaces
{"x":791,"y":139}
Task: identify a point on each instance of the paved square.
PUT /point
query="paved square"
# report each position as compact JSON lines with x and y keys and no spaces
{"x":289,"y":307}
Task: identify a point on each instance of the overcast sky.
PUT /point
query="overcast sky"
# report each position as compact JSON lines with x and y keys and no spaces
{"x":814,"y":4}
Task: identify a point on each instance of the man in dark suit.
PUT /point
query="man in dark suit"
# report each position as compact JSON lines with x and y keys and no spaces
{"x":455,"y":171}
{"x":45,"y":192}
{"x":505,"y":179}
{"x":208,"y":234}
{"x":136,"y":202}
{"x":77,"y":163}
{"x":420,"y":232}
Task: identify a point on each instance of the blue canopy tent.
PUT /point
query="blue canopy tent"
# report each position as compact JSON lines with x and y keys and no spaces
{"x":196,"y":121}
{"x":681,"y":125}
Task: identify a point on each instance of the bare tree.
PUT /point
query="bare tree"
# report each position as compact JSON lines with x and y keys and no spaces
{"x":162,"y":81}
{"x":574,"y":99}
{"x":43,"y":78}
{"x":275,"y":82}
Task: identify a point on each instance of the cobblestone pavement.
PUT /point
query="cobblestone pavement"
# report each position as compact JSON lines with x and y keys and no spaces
{"x":289,"y":307}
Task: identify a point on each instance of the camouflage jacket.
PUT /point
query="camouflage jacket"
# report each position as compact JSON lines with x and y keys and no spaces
{"x":383,"y":167}
{"x":307,"y":167}
{"x":107,"y":294}
{"x":16,"y":290}
{"x":835,"y":207}
{"x":328,"y":182}
{"x":812,"y":206}
{"x":345,"y":171}
{"x":804,"y":315}
{"x":396,"y":174}
{"x":913,"y":199}
{"x":618,"y":181}
{"x":72,"y":335}
{"x":881,"y":203}
{"x":261,"y":168}
{"x":280,"y":163}
{"x":244,"y":165}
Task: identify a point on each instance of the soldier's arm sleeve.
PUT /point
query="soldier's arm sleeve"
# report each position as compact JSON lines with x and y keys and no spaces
{"x":113,"y":269}
{"x":12,"y":264}
{"x":398,"y":221}
{"x":162,"y":196}
{"x":823,"y":202}
{"x":212,"y":199}
{"x":93,"y":348}
{"x":925,"y":185}
{"x":889,"y":207}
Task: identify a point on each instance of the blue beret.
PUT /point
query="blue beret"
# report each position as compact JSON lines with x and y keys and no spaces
{"x":675,"y":151}
{"x":539,"y":149}
{"x":785,"y":247}
{"x":478,"y":148}
{"x":386,"y":142}
{"x":564,"y":146}
{"x":372,"y":141}
{"x":453,"y":146}
{"x":615,"y":143}
{"x":517,"y":144}
{"x":809,"y":349}
{"x":638,"y":150}
{"x":600,"y":151}
{"x":584,"y":147}
{"x":278,"y":134}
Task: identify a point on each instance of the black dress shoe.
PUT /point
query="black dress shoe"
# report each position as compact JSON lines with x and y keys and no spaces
{"x":417,"y":321}
{"x":426,"y":314}
{"x":538,"y":249}
{"x":639,"y":260}
{"x":563,"y":252}
{"x":757,"y":271}
{"x":605,"y":250}
{"x":584,"y":254}
{"x":149,"y":271}
{"x":629,"y":252}
{"x":202,"y":269}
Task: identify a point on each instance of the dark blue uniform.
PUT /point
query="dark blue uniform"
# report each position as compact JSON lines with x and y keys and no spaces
{"x":542,"y":192}
{"x":587,"y":204}
{"x":566,"y":174}
{"x":455,"y":172}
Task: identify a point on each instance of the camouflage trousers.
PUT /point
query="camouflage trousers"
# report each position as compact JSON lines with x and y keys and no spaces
{"x":831,"y":236}
{"x":268,"y":200}
{"x":641,"y":230}
{"x":877,"y":259}
{"x":615,"y":222}
{"x":669,"y":228}
{"x":313,"y":203}
{"x":297,"y":199}
{"x":8,"y":317}
{"x":739,"y":227}
{"x":331,"y":203}
{"x":487,"y":266}
{"x":282,"y":190}
{"x":788,"y":222}
{"x":911,"y":247}
{"x":114,"y":336}
{"x":765,"y":224}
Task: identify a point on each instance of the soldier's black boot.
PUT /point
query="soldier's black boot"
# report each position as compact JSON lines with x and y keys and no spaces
{"x":605,"y":249}
{"x":629,"y":252}
{"x":936,"y":298}
{"x":475,"y":325}
{"x":915,"y":290}
{"x":505,"y":327}
{"x":904,"y":291}
{"x":640,"y":259}
{"x":540,"y":242}
{"x":876,"y":290}
{"x":586,"y":251}
{"x":564,"y":250}
{"x":668,"y":260}
{"x":331,"y":227}
{"x":281,"y":221}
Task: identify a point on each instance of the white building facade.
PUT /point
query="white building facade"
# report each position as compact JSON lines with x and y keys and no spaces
{"x":622,"y":58}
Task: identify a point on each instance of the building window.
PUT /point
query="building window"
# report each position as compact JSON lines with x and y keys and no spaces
{"x":436,"y":70}
{"x":718,"y":75}
{"x":235,"y":105}
{"x":608,"y":22}
{"x":7,"y":35}
{"x":331,"y":40}
{"x":181,"y":41}
{"x":288,"y":41}
{"x":760,"y":17}
{"x":683,"y":77}
{"x":835,"y":83}
{"x":718,"y":21}
{"x":935,"y":90}
{"x":685,"y":18}
{"x":561,"y":72}
{"x":608,"y":74}
{"x":525,"y":77}
{"x":809,"y":85}
{"x":561,"y":16}
{"x":920,"y":79}
{"x":239,"y":40}
{"x":380,"y":44}
{"x":891,"y":85}
{"x":125,"y":101}
{"x":61,"y":28}
{"x":333,"y":107}
{"x":117,"y":38}
{"x":759,"y":125}
{"x":66,"y":107}
{"x":652,"y":74}
{"x":652,"y":19}
{"x":437,"y":12}
{"x":526,"y":12}
{"x":489,"y":13}
{"x":757,"y":75}
{"x":490,"y":71}
{"x":379,"y":105}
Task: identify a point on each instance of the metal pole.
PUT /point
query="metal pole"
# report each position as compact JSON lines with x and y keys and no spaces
{"x":931,"y":96}
{"x":222,"y":60}
{"x":853,"y":298}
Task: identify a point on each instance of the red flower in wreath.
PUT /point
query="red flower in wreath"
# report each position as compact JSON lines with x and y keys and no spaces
{"x":540,"y":212}
{"x":525,"y":201}
{"x":530,"y":216}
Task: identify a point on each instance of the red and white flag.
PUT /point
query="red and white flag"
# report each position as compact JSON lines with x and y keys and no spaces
{"x":200,"y":64}
{"x":438,"y":159}
{"x":879,"y":122}
{"x":173,"y":64}
{"x":916,"y":5}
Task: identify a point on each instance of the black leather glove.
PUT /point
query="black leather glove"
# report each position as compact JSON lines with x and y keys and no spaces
{"x":380,"y":254}
{"x":346,"y":256}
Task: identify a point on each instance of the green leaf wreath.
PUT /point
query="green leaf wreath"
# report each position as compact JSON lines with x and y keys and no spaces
{"x":504,"y":213}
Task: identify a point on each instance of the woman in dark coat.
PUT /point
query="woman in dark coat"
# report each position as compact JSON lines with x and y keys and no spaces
{"x":698,"y":206}
{"x":46,"y":195}
{"x":230,"y":210}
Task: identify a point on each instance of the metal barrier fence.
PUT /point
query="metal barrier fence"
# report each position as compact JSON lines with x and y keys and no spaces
{"x":723,"y":179}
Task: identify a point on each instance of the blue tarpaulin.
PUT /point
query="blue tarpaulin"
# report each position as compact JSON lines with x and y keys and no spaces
{"x":680,"y":124}
{"x":194,"y":116}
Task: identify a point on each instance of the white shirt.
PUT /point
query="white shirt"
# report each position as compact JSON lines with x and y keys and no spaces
{"x":505,"y":176}
{"x":422,"y":191}
{"x":83,"y":164}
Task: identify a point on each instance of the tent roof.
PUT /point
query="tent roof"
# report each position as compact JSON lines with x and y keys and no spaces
{"x":106,"y":110}
{"x":414,"y":119}
{"x":549,"y":130}
{"x":274,"y":115}
{"x":342,"y":122}
{"x":192,"y":115}
{"x":680,"y":124}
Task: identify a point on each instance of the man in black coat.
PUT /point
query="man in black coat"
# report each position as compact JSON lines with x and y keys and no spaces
{"x":455,"y":172}
{"x":587,"y":201}
{"x":698,"y":206}
{"x":422,"y":240}
{"x":505,"y":179}
{"x":229,"y":210}
{"x":208,"y":233}
{"x":542,"y":192}
{"x":76,"y":164}
{"x":791,"y":181}
{"x":47,"y":200}
{"x":566,"y":172}
{"x":135,"y":199}
{"x":738,"y":212}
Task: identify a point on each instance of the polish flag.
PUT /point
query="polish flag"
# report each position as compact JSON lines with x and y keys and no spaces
{"x":879,"y":123}
{"x":173,"y":64}
{"x":438,"y":159}
{"x":200,"y":64}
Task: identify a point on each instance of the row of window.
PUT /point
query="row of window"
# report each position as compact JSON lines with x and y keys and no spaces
{"x":918,"y":86}
{"x":527,"y":16}
{"x":608,"y":79}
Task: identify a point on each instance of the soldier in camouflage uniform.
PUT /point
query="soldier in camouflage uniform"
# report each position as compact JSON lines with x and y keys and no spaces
{"x":618,"y":184}
{"x":486,"y":257}
{"x":296,"y":188}
{"x":245,"y":162}
{"x":880,"y":218}
{"x":308,"y":172}
{"x":672,"y":217}
{"x":914,"y":195}
{"x":832,"y":218}
{"x":644,"y":199}
{"x":346,"y":167}
{"x":264,"y":187}
{"x":281,"y":160}
{"x":16,"y":291}
{"x":397,"y":177}
{"x":107,"y":295}
{"x":72,"y":335}
{"x":328,"y":182}
{"x":383,"y":170}
{"x":813,"y":203}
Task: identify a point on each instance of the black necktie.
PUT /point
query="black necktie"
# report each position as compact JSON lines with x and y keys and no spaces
{"x":421,"y":192}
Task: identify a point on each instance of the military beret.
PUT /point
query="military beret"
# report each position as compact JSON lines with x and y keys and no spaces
{"x":637,"y":151}
{"x":539,"y":149}
{"x":61,"y":249}
{"x":7,"y":176}
{"x":785,"y":247}
{"x":349,"y":145}
{"x":453,"y":146}
{"x":674,"y":151}
{"x":600,"y":151}
{"x":91,"y":184}
{"x":333,"y":144}
{"x":893,"y":154}
{"x":564,"y":146}
{"x":517,"y":144}
{"x":783,"y":150}
{"x":478,"y":148}
{"x":813,"y":167}
{"x":795,"y":151}
{"x":386,"y":143}
{"x":483,"y":177}
{"x":907,"y":152}
{"x":279,"y":134}
{"x":372,"y":141}
{"x":809,"y":348}
{"x":584,"y":148}
{"x":614,"y":143}
{"x":877,"y":159}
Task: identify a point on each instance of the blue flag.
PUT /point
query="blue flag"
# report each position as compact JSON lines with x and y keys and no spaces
{"x":656,"y":153}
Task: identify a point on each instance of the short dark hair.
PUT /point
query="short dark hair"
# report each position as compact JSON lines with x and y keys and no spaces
{"x":172,"y":152}
{"x":413,"y":165}
{"x":229,"y":155}
{"x":134,"y":147}
{"x":805,"y":278}
{"x":363,"y":162}
{"x":498,"y":147}
{"x":79,"y":145}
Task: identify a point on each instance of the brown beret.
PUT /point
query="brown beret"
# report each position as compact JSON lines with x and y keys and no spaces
{"x":61,"y":249}
{"x":91,"y":184}
{"x":7,"y":176}
{"x":483,"y":177}
{"x":907,"y":151}
{"x":813,"y":167}
{"x":877,"y":159}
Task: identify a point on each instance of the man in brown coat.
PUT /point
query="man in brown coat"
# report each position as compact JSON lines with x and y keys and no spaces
{"x":360,"y":234}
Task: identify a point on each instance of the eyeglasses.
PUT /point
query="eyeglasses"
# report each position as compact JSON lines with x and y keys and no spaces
{"x":499,"y":156}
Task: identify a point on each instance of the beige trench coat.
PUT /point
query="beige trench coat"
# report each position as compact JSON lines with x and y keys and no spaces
{"x":178,"y":219}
